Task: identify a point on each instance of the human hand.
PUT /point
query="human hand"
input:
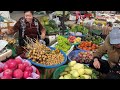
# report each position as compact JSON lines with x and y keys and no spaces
{"x":43,"y":36}
{"x":96,"y":63}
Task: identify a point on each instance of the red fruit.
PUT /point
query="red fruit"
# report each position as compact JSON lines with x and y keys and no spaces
{"x":29,"y":68}
{"x":26,"y":74}
{"x":6,"y":77}
{"x":12,"y":65}
{"x":21,"y":66}
{"x":8,"y":72}
{"x":18,"y":61}
{"x":18,"y":74}
{"x":7,"y":62}
{"x":5,"y":67}
{"x":1,"y":69}
{"x":26,"y":64}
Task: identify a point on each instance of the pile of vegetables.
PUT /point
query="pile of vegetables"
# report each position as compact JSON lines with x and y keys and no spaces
{"x":83,"y":57}
{"x":79,"y":28}
{"x":73,"y":39}
{"x":51,"y":27}
{"x":44,"y":20}
{"x":87,"y":45}
{"x":78,"y":71}
{"x":63,"y":44}
{"x":41,"y":54}
{"x":95,"y":39}
{"x":18,"y":68}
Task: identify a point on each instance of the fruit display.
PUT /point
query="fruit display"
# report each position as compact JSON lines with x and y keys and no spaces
{"x":79,"y":28}
{"x":86,"y":45}
{"x":81,"y":56}
{"x":76,"y":70}
{"x":95,"y":39}
{"x":63,"y":44}
{"x":18,"y":68}
{"x":42,"y":54}
{"x":73,"y":39}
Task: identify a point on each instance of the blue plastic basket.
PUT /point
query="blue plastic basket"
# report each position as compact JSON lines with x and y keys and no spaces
{"x":51,"y":66}
{"x":74,"y":54}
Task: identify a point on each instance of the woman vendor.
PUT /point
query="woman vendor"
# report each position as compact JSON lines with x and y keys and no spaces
{"x":31,"y":27}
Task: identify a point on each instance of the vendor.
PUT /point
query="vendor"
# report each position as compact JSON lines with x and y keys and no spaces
{"x":31,"y":27}
{"x":106,"y":29}
{"x":111,"y":46}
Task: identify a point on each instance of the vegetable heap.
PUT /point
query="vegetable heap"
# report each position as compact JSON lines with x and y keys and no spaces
{"x":41,"y":54}
{"x":79,"y":28}
{"x":96,"y":39}
{"x":63,"y":44}
{"x":78,"y":71}
{"x":86,"y":45}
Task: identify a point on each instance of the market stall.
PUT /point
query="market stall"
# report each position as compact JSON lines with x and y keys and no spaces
{"x":73,"y":40}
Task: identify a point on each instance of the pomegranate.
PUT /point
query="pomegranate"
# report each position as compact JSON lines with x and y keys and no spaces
{"x":29,"y":68}
{"x":18,"y":61}
{"x":21,"y":66}
{"x":18,"y":74}
{"x":9,"y":61}
{"x":6,"y":77}
{"x":26,"y":74}
{"x":1,"y":69}
{"x":26,"y":64}
{"x":5,"y":67}
{"x":12,"y":65}
{"x":7,"y":72}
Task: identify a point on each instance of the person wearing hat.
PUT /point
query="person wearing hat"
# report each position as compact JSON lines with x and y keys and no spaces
{"x":111,"y":46}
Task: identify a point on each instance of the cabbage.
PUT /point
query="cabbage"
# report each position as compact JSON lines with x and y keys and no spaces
{"x":86,"y":76}
{"x":75,"y":73}
{"x":78,"y":66}
{"x":88,"y":71}
{"x":61,"y":77}
{"x":72,"y":63}
{"x":81,"y":71}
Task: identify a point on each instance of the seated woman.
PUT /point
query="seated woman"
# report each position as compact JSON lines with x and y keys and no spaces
{"x":31,"y":27}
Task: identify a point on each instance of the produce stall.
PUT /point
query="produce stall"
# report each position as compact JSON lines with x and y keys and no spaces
{"x":71,"y":48}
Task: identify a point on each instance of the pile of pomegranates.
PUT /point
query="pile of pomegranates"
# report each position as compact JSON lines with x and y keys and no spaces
{"x":18,"y":68}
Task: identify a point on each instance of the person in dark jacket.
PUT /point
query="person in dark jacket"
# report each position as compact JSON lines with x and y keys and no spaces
{"x":31,"y":27}
{"x":111,"y":46}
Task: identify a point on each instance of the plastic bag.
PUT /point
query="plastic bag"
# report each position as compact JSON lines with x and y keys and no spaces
{"x":34,"y":69}
{"x":42,"y":42}
{"x":35,"y":76}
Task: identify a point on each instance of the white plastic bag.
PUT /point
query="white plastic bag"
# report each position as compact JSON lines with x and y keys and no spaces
{"x":42,"y":42}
